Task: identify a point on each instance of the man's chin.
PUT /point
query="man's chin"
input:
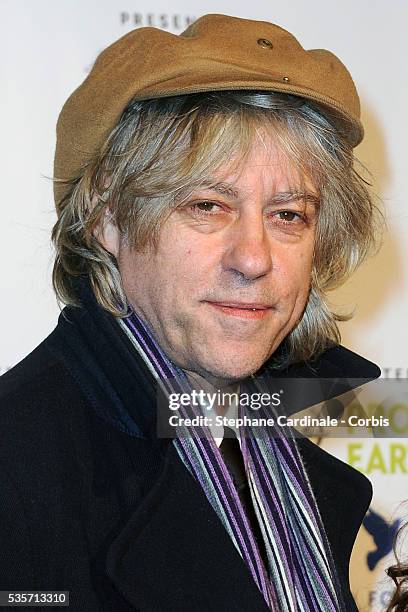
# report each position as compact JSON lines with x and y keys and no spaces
{"x":230,"y":371}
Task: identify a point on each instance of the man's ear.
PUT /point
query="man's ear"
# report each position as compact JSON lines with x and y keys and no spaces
{"x":107,"y":234}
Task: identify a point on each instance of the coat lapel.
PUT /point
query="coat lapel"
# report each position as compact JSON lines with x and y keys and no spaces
{"x":175,"y":554}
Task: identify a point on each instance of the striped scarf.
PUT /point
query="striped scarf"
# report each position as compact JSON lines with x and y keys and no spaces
{"x":300,"y":576}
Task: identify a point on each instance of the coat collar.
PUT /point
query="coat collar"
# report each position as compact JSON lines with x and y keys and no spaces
{"x":171,"y":555}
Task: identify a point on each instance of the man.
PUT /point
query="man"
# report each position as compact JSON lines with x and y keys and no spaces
{"x":206,"y":203}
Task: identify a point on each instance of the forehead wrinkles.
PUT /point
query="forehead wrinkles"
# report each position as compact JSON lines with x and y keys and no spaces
{"x":273,"y":172}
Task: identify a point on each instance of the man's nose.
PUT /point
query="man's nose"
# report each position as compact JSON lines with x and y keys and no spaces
{"x":249,"y":249}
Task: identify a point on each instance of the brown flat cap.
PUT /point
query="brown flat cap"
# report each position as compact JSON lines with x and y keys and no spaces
{"x":215,"y":53}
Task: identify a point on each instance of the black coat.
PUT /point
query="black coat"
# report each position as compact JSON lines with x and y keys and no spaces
{"x":93,"y":503}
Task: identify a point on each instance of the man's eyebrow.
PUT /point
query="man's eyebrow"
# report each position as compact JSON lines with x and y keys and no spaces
{"x":223,"y":188}
{"x":282,"y":197}
{"x":286,"y":197}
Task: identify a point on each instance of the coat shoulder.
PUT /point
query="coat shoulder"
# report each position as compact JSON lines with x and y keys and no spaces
{"x":36,"y":364}
{"x":39,"y":403}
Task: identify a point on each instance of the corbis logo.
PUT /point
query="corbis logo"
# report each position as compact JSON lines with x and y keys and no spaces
{"x":165,"y":21}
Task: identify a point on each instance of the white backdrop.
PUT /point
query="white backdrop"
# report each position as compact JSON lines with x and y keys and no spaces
{"x":47,"y":47}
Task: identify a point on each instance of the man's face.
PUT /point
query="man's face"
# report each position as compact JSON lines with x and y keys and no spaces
{"x":231,"y":274}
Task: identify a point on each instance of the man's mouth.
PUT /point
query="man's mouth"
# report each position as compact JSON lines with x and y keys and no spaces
{"x":246,"y":310}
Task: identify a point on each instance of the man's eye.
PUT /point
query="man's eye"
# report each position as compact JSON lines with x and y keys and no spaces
{"x":205,"y":207}
{"x":289,"y":216}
